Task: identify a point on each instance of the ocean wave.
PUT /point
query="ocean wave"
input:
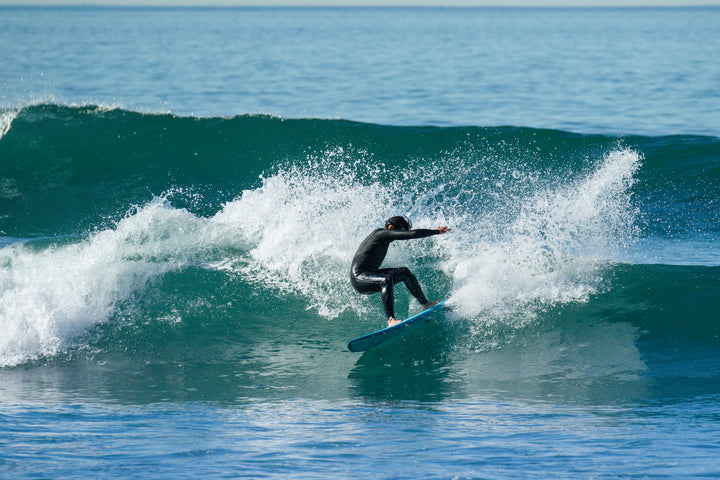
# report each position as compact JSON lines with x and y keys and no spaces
{"x":102,"y":207}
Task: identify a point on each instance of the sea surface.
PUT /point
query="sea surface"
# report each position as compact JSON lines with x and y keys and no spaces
{"x":182,"y":191}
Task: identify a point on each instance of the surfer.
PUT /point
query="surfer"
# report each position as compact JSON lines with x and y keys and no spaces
{"x":366,"y":275}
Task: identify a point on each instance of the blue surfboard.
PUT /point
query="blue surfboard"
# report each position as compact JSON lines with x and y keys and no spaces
{"x":374,"y":339}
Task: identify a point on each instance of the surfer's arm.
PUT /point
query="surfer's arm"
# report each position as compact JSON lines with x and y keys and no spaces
{"x":394,"y":234}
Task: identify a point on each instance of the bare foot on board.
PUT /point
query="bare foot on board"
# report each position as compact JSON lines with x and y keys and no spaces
{"x":392,"y":321}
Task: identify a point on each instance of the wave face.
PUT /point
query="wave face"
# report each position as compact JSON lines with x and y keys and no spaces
{"x":123,"y":233}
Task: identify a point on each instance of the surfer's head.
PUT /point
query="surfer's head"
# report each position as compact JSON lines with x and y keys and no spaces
{"x":401,"y":223}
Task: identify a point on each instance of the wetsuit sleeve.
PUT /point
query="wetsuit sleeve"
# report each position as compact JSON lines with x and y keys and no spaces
{"x":393,"y":234}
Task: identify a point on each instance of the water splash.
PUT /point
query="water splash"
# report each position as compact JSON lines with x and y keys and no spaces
{"x":509,"y":266}
{"x":6,"y":119}
{"x":50,"y":295}
{"x":297,"y":231}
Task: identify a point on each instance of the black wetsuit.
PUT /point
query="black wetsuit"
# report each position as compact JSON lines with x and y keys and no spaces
{"x":367,"y":276}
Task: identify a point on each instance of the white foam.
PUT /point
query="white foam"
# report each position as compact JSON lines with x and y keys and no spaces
{"x":301,"y":228}
{"x":50,"y":296}
{"x":295,"y":233}
{"x":6,"y":119}
{"x":551,"y":252}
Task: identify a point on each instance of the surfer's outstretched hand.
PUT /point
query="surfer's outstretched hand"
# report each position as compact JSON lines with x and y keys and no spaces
{"x":444,"y":229}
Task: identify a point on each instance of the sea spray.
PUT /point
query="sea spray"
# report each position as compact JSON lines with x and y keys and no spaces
{"x":509,"y":266}
{"x":303,"y":224}
{"x":297,"y":231}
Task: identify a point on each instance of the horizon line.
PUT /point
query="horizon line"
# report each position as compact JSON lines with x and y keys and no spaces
{"x":340,"y":4}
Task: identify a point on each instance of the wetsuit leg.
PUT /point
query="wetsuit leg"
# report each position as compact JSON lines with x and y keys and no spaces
{"x":388,"y":297}
{"x":383,"y":281}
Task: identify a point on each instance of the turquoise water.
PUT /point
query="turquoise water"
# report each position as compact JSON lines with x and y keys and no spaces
{"x":182,"y":191}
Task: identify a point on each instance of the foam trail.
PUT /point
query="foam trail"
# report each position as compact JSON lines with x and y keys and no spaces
{"x":49,"y":297}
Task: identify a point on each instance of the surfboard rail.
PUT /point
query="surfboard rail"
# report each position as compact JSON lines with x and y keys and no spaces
{"x":374,"y":339}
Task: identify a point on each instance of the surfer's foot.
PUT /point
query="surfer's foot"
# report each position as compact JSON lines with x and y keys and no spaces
{"x":430,"y":304}
{"x":392,"y":321}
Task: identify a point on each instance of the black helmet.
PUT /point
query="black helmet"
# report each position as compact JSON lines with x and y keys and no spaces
{"x":401,"y":223}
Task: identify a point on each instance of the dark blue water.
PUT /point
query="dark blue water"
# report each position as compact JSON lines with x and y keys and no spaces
{"x":182,"y":191}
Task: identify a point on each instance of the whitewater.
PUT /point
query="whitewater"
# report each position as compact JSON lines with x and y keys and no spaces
{"x":545,"y":246}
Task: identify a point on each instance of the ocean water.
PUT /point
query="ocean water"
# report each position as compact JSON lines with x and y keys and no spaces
{"x":182,"y":191}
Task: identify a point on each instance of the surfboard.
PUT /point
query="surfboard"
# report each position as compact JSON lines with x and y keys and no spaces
{"x":374,"y":339}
